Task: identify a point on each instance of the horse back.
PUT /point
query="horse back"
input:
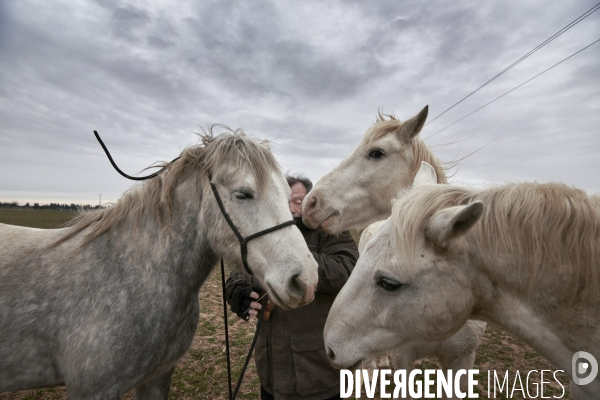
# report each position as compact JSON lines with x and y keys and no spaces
{"x":65,"y":310}
{"x":16,"y":242}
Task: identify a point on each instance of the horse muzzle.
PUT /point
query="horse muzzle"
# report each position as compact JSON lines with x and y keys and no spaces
{"x":297,"y":291}
{"x":317,"y":215}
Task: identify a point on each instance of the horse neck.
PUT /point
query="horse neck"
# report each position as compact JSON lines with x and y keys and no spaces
{"x":537,"y":310}
{"x":171,"y":242}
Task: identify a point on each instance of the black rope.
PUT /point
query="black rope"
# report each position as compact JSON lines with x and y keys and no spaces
{"x":133,"y":178}
{"x":226,"y":329}
{"x":233,"y":395}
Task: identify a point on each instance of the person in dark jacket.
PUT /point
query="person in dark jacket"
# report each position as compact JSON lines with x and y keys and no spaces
{"x":290,"y":354}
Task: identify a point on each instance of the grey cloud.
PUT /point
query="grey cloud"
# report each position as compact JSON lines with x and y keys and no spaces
{"x":252,"y":50}
{"x":309,"y":75}
{"x":159,"y":43}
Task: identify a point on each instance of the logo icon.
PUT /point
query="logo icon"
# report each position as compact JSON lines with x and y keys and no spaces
{"x":585,"y":368}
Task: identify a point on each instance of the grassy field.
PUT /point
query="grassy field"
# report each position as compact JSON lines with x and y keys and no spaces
{"x":46,"y":219}
{"x":202,"y":373}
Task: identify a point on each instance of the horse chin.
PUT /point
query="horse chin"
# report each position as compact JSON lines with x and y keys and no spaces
{"x":309,"y":221}
{"x":331,"y":223}
{"x":290,"y":303}
{"x":352,"y":367}
{"x":277,"y":300}
{"x":321,"y":219}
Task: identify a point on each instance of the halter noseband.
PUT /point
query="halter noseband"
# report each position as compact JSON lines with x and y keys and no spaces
{"x":244,"y":241}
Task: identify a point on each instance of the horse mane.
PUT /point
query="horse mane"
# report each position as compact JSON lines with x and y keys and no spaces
{"x":386,"y":124}
{"x":154,"y":197}
{"x":545,"y":226}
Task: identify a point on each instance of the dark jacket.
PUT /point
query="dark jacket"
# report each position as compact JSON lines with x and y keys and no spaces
{"x":290,"y":354}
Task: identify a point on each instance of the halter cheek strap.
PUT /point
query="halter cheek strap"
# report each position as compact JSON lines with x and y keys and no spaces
{"x":244,"y":241}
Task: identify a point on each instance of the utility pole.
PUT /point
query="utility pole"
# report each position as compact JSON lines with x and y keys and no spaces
{"x":100,"y":203}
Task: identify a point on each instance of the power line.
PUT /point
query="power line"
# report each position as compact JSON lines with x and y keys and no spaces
{"x":515,"y":88}
{"x":545,"y":42}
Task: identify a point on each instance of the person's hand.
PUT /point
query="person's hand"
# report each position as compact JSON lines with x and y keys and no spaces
{"x":254,"y":306}
{"x":247,"y":308}
{"x":242,"y":302}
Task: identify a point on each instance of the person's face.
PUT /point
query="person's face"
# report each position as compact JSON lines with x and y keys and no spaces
{"x":298,"y":194}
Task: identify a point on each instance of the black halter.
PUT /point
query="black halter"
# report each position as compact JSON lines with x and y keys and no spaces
{"x":244,"y":251}
{"x":244,"y":241}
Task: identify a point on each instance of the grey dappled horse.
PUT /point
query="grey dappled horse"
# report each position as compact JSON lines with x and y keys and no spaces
{"x":111,"y":303}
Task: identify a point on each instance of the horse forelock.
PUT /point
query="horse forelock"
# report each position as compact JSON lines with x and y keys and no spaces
{"x":544,"y":226}
{"x":235,"y":149}
{"x":154,"y":197}
{"x":384,"y":125}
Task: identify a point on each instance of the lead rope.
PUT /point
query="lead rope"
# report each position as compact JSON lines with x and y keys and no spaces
{"x":233,"y":395}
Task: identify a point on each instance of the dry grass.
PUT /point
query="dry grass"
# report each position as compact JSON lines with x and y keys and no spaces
{"x":202,"y":373}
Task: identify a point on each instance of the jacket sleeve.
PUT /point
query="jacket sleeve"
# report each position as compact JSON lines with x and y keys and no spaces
{"x":336,"y":258}
{"x":236,"y":281}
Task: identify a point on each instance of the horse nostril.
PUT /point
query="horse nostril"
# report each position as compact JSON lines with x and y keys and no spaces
{"x":296,"y":286}
{"x":330,"y":354}
{"x":311,"y":204}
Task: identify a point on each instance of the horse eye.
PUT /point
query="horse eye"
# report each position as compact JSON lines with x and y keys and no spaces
{"x":388,"y":284}
{"x":376,"y":154}
{"x":242,"y":196}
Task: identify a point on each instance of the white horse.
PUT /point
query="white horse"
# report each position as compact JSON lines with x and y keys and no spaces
{"x":360,"y":190}
{"x":455,"y":353}
{"x":111,"y":303}
{"x":524,"y":256}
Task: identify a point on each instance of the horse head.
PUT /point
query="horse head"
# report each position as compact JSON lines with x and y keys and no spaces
{"x":360,"y":189}
{"x":426,"y":297}
{"x":255,"y":195}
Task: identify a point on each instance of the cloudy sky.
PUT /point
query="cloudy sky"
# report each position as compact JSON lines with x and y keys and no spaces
{"x":308,"y":75}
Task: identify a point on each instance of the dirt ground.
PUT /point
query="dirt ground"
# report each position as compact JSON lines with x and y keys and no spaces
{"x":202,"y":374}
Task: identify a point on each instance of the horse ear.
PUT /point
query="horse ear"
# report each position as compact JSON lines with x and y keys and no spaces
{"x":453,"y":222}
{"x":425,"y":175}
{"x":413,"y":126}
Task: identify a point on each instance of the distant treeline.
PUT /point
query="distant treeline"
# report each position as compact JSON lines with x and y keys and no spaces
{"x":51,"y":206}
